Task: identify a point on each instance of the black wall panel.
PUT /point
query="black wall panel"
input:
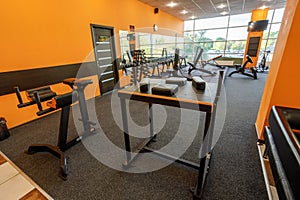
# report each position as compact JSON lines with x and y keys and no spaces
{"x":27,"y":79}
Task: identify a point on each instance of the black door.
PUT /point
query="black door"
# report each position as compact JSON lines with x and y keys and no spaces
{"x":105,"y":56}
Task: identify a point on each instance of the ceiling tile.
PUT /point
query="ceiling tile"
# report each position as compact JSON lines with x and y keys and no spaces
{"x":208,"y":8}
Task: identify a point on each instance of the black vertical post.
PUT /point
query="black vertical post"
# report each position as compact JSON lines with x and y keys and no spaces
{"x":207,"y":123}
{"x":201,"y":171}
{"x":125,"y":129}
{"x":63,"y":128}
{"x":83,"y":109}
{"x":201,"y":175}
{"x":151,"y":119}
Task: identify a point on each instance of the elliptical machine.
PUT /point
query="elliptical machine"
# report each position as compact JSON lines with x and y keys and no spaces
{"x":241,"y":69}
{"x":262,"y":65}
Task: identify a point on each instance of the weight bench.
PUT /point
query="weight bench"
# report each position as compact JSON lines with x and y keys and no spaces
{"x":177,"y":67}
{"x":196,"y":60}
{"x":212,"y":61}
{"x":56,"y":102}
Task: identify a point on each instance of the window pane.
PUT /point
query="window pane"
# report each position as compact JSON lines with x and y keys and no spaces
{"x":180,"y":39}
{"x":157,"y":39}
{"x":169,"y":39}
{"x":271,"y":45}
{"x":212,"y":49}
{"x":210,"y":35}
{"x":188,"y":36}
{"x":216,"y":48}
{"x":180,"y":46}
{"x":237,"y":33}
{"x":270,"y":14}
{"x":140,"y":33}
{"x":188,"y":25}
{"x":123,"y":33}
{"x":124,"y":43}
{"x":144,"y":39}
{"x":147,"y":49}
{"x":188,"y":49}
{"x":240,"y":20}
{"x":266,"y":32}
{"x":263,"y":45}
{"x":158,"y":48}
{"x":236,"y":47}
{"x":278,"y":15}
{"x":216,"y":22}
{"x":274,"y":30}
{"x":234,"y":55}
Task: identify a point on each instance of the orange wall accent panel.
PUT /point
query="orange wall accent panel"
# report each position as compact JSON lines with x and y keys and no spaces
{"x":282,"y":86}
{"x":259,"y":14}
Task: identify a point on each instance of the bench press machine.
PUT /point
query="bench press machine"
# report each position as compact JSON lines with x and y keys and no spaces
{"x":63,"y":102}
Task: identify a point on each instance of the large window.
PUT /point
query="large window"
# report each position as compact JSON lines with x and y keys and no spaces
{"x":217,"y":22}
{"x":227,"y":35}
{"x":210,"y":35}
{"x":153,"y":44}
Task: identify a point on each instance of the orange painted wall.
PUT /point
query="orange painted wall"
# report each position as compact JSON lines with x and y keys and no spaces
{"x":259,"y":14}
{"x":36,"y":34}
{"x":282,"y":86}
{"x":50,"y":33}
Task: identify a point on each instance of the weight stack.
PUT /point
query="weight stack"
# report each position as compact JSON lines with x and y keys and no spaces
{"x":4,"y":133}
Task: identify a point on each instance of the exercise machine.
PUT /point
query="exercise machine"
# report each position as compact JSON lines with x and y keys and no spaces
{"x":177,"y":71}
{"x":63,"y":102}
{"x":262,"y":65}
{"x":193,"y":66}
{"x":212,"y":61}
{"x":242,"y":69}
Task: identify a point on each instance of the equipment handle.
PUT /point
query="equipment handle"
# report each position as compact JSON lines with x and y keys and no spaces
{"x":38,"y":101}
{"x":18,"y":94}
{"x":42,"y":112}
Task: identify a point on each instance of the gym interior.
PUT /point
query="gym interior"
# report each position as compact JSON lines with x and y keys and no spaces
{"x":146,"y":99}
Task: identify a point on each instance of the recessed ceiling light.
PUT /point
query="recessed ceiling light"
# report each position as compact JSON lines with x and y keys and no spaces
{"x":184,"y":12}
{"x":222,"y":5}
{"x":224,"y":13}
{"x":172,"y":4}
{"x":192,"y":17}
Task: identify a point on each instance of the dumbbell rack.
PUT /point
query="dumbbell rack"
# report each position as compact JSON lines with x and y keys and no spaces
{"x":141,"y":67}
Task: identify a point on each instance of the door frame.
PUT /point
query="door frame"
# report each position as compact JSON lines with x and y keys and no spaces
{"x":114,"y":54}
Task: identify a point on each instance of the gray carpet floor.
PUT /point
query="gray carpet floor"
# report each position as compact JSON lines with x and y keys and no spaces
{"x":235,"y":171}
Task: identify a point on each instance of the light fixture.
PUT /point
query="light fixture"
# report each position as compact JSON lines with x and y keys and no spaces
{"x":192,"y":17}
{"x":224,"y":13}
{"x":155,"y":27}
{"x":222,"y":5}
{"x":263,"y":7}
{"x":184,"y":12}
{"x":172,"y":4}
